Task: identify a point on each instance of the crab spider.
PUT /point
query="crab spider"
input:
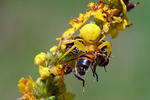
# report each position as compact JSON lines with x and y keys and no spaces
{"x":89,"y":40}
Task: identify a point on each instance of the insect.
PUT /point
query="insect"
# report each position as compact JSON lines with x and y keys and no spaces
{"x":90,"y":60}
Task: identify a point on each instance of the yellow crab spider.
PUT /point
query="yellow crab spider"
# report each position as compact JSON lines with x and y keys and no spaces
{"x":90,"y":41}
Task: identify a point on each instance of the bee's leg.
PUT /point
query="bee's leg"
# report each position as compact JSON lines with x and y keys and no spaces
{"x":79,"y":78}
{"x":94,"y":72}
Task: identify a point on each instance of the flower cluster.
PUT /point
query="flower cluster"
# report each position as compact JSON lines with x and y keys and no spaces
{"x":106,"y":17}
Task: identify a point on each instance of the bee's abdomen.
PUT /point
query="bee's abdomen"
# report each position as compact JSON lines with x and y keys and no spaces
{"x":83,"y":63}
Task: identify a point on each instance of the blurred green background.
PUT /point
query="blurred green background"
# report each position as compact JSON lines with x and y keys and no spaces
{"x":28,"y":27}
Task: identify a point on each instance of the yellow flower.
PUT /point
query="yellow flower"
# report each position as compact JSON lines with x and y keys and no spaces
{"x":78,"y":22}
{"x":28,"y":97}
{"x":119,"y":26}
{"x":40,"y":59}
{"x":116,"y":19}
{"x":25,"y":86}
{"x":56,"y":70}
{"x":123,"y":24}
{"x":101,"y":12}
{"x":53,"y":49}
{"x":99,"y":15}
{"x":106,"y":7}
{"x":44,"y":72}
{"x":106,"y":27}
{"x":114,"y":11}
{"x":91,"y":4}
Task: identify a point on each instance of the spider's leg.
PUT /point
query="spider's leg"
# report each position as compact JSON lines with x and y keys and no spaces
{"x":77,"y":45}
{"x":102,"y":37}
{"x":109,"y":48}
{"x":65,"y":53}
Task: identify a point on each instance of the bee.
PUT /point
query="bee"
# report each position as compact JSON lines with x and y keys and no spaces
{"x":90,"y":60}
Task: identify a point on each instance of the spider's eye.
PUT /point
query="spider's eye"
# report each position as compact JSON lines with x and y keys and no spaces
{"x":90,"y":33}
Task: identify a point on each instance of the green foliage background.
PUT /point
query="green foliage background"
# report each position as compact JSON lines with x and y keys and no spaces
{"x":28,"y":27}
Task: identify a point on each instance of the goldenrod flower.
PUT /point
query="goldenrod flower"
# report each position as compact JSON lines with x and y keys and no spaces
{"x":91,"y":4}
{"x":119,"y":26}
{"x":44,"y":72}
{"x":99,"y":15}
{"x":110,"y":18}
{"x":40,"y":59}
{"x":25,"y":86}
{"x":28,"y":97}
{"x":53,"y":49}
{"x":78,"y":22}
{"x":109,"y":13}
{"x":55,"y":70}
{"x":106,"y":27}
{"x":123,"y":24}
